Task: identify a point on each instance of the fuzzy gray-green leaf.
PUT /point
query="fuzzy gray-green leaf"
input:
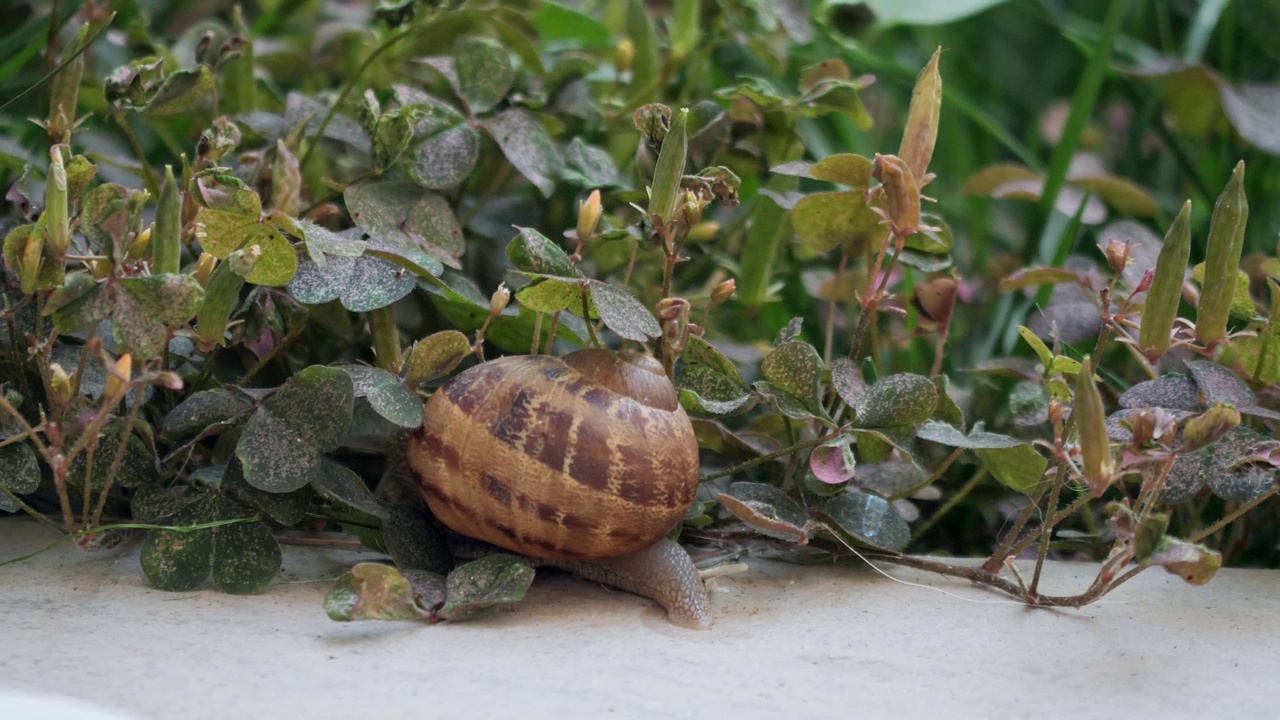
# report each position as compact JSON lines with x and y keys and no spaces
{"x":309,"y":415}
{"x":796,"y":367}
{"x":869,"y":519}
{"x":527,"y":147}
{"x":896,"y":400}
{"x":622,"y":313}
{"x":474,"y":588}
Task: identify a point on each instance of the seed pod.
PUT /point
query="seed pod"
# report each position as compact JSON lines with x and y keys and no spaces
{"x":703,"y":231}
{"x":64,"y":89}
{"x":665,"y":191}
{"x":498,"y":300}
{"x":166,"y":240}
{"x":902,"y":194}
{"x":1091,"y":427}
{"x":1222,"y":259}
{"x":921,"y":131}
{"x":204,"y":269}
{"x":222,"y":293}
{"x":57,"y":226}
{"x":1166,"y":287}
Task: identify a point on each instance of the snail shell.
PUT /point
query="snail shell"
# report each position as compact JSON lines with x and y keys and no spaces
{"x":585,"y":456}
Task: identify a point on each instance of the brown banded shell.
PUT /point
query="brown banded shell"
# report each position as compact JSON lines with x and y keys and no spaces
{"x":585,"y":456}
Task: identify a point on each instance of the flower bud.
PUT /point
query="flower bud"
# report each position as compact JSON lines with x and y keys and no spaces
{"x":689,"y":212}
{"x":118,"y":378}
{"x":59,"y":385}
{"x":1117,"y":254}
{"x":671,"y":309}
{"x":589,"y":212}
{"x":243,"y":261}
{"x":1207,"y":428}
{"x":623,"y":55}
{"x":23,"y":249}
{"x":140,"y":244}
{"x":498,"y":300}
{"x":204,"y":268}
{"x":723,"y":292}
{"x":921,"y":131}
{"x":1097,"y":465}
{"x":1153,"y":426}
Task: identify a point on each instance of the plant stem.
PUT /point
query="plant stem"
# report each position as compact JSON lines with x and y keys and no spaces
{"x":747,"y":465}
{"x":1046,"y":535}
{"x":933,"y":477}
{"x":351,"y":86}
{"x":149,"y":179}
{"x":1234,"y":514}
{"x":831,"y":307}
{"x":948,"y":506}
{"x":386,"y":338}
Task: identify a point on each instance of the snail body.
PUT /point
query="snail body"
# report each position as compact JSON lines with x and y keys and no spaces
{"x":585,"y":461}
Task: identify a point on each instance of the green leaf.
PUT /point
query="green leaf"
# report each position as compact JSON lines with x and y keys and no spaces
{"x":1019,"y":467}
{"x":285,"y":508}
{"x":146,"y":307}
{"x":202,"y":409}
{"x":796,"y":367}
{"x":181,"y":92}
{"x":178,"y":561}
{"x":1173,"y":392}
{"x":409,"y":226}
{"x":246,"y":558}
{"x":952,"y":436}
{"x":591,"y":167}
{"x":551,"y":295}
{"x":783,"y":401}
{"x":473,"y":589}
{"x":845,"y":169}
{"x":847,"y":381}
{"x":322,"y":242}
{"x":339,"y":483}
{"x":533,"y":252}
{"x":768,"y":510}
{"x":527,"y":147}
{"x":436,"y":355}
{"x":79,"y":304}
{"x":445,"y":159}
{"x":386,"y":395}
{"x":1194,"y":563}
{"x":1218,"y":384}
{"x":19,"y":470}
{"x":706,"y":391}
{"x":137,"y":466}
{"x":698,"y":351}
{"x":485,"y":72}
{"x":371,"y":591}
{"x":896,"y":400}
{"x":555,"y":22}
{"x":281,"y":442}
{"x":413,"y":540}
{"x":1042,"y":351}
{"x":868,"y":519}
{"x":361,"y":283}
{"x":828,"y":220}
{"x":923,"y":12}
{"x":622,"y":313}
{"x":228,"y":231}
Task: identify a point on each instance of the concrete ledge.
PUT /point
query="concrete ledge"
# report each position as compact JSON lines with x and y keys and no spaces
{"x":788,"y":642}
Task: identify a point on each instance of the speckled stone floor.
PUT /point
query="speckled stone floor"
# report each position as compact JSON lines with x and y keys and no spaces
{"x":788,"y":643}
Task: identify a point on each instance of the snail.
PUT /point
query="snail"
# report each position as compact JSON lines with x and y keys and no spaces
{"x":584,"y":462}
